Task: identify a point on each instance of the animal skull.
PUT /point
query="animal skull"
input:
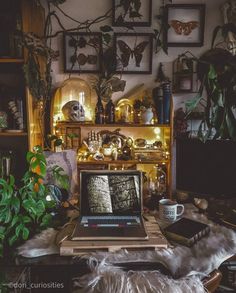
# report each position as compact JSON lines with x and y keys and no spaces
{"x":73,"y":111}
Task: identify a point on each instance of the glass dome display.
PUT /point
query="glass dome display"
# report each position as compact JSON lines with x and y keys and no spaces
{"x":72,"y":101}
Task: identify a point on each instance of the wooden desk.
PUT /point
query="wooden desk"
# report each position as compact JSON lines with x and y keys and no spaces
{"x":61,"y":270}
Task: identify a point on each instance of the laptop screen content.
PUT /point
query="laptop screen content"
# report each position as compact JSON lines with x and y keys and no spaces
{"x":110,"y":192}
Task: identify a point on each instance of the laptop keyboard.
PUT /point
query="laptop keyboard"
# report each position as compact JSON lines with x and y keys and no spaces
{"x":110,"y":221}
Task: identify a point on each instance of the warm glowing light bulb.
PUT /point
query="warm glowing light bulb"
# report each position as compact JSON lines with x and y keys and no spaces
{"x":48,"y":198}
{"x":157,"y":130}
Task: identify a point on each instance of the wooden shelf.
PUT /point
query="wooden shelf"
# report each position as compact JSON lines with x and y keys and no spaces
{"x":13,"y":133}
{"x":78,"y":124}
{"x":121,"y":162}
{"x":11,"y":60}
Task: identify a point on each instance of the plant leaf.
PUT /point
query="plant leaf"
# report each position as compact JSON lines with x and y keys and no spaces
{"x":29,"y":156}
{"x":15,"y":203}
{"x":8,"y":216}
{"x":26,"y":219}
{"x":46,"y":220}
{"x":15,"y":219}
{"x":106,"y":28}
{"x":25,"y":233}
{"x":106,"y":38}
{"x":214,"y":34}
{"x":2,"y":232}
{"x":12,"y":240}
{"x":212,"y":74}
{"x":18,"y":229}
{"x":192,"y":104}
{"x":231,"y":123}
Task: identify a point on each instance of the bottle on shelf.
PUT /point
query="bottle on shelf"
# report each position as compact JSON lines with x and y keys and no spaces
{"x":110,"y":112}
{"x":166,"y":101}
{"x":6,"y":162}
{"x":157,"y":95}
{"x":99,"y":112}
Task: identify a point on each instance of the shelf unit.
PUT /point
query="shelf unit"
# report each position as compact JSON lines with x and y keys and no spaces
{"x":151,"y":132}
{"x":13,"y":134}
{"x":29,"y":17}
{"x":11,"y":60}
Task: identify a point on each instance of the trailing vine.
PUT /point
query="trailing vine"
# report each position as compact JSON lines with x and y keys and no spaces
{"x":39,"y":78}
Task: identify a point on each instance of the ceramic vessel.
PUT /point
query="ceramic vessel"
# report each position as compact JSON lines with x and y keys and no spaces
{"x":147,"y":116}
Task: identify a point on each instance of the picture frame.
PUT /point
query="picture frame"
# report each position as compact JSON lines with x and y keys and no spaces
{"x":133,"y":53}
{"x":82,"y":52}
{"x":185,"y":24}
{"x":122,"y":16}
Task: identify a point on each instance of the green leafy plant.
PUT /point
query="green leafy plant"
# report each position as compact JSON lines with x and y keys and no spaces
{"x":217,"y":95}
{"x":106,"y":83}
{"x":217,"y":73}
{"x":60,"y":177}
{"x":25,"y":210}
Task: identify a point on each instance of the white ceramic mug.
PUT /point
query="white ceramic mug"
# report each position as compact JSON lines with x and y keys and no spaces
{"x":169,"y":210}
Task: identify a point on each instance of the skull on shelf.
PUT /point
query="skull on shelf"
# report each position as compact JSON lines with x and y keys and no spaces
{"x":73,"y":111}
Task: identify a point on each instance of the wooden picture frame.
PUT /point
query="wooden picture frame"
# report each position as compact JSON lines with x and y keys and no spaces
{"x":133,"y":53}
{"x":185,"y":25}
{"x":82,"y":52}
{"x":122,"y":16}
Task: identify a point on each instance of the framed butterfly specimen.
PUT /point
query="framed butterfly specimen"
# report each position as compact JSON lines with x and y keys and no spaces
{"x":184,"y":25}
{"x":82,"y":52}
{"x":133,"y":52}
{"x":131,"y":13}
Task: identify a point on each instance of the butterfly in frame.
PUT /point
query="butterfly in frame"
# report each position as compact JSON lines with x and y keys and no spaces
{"x":183,"y":28}
{"x":127,"y":52}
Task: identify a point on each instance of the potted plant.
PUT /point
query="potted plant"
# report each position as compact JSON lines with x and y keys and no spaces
{"x":26,"y":210}
{"x":217,"y":74}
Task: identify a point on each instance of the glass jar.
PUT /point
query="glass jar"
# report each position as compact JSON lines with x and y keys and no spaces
{"x":158,"y":181}
{"x":72,"y":89}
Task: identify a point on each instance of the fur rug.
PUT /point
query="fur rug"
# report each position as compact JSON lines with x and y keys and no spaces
{"x":187,"y":265}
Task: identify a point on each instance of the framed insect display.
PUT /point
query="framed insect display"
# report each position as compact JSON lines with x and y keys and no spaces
{"x":82,"y":52}
{"x":133,"y":52}
{"x":185,"y":23}
{"x":131,"y":13}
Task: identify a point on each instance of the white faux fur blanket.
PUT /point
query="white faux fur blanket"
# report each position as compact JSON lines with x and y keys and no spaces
{"x":187,"y":265}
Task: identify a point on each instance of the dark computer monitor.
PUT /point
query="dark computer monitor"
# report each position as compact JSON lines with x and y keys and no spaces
{"x":206,"y":168}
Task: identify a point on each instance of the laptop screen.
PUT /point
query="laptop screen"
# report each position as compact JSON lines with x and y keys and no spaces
{"x":110,"y":192}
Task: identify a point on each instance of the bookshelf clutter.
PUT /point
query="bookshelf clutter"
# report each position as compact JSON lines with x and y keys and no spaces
{"x":133,"y":132}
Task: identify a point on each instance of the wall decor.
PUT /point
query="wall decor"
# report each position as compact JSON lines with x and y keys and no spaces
{"x":82,"y":52}
{"x":131,"y":13}
{"x":134,"y":52}
{"x":185,"y":24}
{"x":185,"y":74}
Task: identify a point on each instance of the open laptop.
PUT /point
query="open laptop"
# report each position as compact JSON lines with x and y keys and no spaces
{"x":110,"y":206}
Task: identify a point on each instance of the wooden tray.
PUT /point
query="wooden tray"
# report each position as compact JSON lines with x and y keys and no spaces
{"x":79,"y":247}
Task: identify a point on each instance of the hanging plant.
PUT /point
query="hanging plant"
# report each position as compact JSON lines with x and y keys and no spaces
{"x":217,"y":73}
{"x":106,"y":83}
{"x":37,"y":67}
